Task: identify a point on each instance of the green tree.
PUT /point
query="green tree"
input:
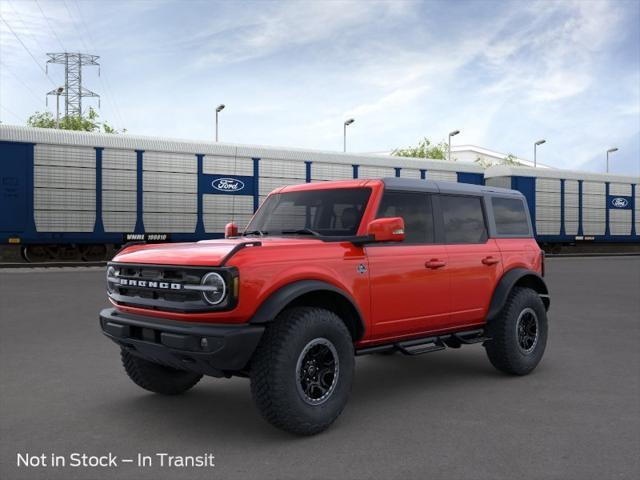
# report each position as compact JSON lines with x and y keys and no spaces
{"x":510,"y":160}
{"x":424,"y":149}
{"x":88,"y":123}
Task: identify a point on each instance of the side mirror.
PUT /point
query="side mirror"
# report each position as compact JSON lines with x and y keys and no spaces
{"x":386,"y":229}
{"x":230,"y":230}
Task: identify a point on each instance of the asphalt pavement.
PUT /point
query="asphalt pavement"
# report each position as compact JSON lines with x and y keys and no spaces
{"x":446,"y":415}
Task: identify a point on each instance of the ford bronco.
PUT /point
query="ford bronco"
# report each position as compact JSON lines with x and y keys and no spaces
{"x":325,"y":272}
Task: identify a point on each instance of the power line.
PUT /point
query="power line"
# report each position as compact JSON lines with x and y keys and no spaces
{"x":75,"y":27}
{"x":28,"y":51}
{"x":20,"y":81}
{"x":24,"y":25}
{"x":50,"y":27}
{"x":106,"y":84}
{"x":10,"y":112}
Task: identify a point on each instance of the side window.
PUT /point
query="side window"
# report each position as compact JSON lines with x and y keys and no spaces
{"x":511,"y":218}
{"x":463,"y":219}
{"x":415,"y":209}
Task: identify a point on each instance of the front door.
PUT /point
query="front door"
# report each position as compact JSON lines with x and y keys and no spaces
{"x":409,"y":280}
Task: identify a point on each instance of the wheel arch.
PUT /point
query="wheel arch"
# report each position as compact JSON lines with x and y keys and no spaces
{"x":313,"y":293}
{"x":517,"y":277}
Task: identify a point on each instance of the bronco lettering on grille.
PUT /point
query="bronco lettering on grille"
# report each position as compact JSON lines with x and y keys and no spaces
{"x":144,"y":283}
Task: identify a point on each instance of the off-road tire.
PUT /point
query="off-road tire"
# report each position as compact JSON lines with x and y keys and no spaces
{"x":157,"y":378}
{"x":504,"y":349}
{"x":274,"y":370}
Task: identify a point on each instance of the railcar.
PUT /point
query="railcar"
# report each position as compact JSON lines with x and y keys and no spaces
{"x":570,"y":207}
{"x":78,"y":195}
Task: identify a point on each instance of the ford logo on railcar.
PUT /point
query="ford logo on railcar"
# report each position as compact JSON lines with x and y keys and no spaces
{"x":227,"y":184}
{"x":619,"y":202}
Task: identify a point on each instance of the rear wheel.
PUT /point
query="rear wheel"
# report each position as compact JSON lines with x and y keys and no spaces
{"x":157,"y":378}
{"x":302,"y":371}
{"x":518,"y":334}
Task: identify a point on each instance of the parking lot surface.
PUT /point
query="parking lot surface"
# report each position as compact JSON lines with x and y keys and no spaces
{"x":444,"y":415}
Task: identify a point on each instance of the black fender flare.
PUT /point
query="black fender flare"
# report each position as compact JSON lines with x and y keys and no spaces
{"x":520,"y":276}
{"x":282,"y":297}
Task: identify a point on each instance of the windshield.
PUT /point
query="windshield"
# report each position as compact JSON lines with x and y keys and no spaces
{"x":335,"y":212}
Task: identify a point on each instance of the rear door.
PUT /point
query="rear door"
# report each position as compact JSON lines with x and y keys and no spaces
{"x":474,"y":258}
{"x":409,"y":280}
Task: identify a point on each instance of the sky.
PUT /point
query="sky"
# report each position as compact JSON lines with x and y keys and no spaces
{"x":505,"y":73}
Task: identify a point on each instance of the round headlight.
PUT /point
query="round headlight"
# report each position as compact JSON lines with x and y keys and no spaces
{"x":111,"y":273}
{"x":215,"y":288}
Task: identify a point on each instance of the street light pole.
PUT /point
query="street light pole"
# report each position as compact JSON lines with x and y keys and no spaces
{"x":219,"y":108}
{"x":535,"y":152}
{"x":344,"y":134}
{"x":611,"y":150}
{"x":452,"y":134}
{"x":59,"y":91}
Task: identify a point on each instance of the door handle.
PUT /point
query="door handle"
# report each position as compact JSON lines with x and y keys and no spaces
{"x":434,"y":263}
{"x":490,"y":260}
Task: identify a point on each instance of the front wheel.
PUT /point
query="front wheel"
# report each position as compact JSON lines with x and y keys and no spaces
{"x":519,"y":333}
{"x":302,"y":371}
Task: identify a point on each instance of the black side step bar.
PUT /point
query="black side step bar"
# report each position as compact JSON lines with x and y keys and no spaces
{"x":419,"y":346}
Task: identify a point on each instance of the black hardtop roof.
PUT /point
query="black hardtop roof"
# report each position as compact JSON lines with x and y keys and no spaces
{"x":439,"y":186}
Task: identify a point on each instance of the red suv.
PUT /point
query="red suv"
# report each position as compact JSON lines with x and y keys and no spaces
{"x":325,"y":272}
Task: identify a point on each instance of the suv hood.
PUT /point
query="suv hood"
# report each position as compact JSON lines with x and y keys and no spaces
{"x":209,"y":253}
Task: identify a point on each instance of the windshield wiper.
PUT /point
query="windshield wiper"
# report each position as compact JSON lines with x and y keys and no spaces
{"x":302,"y":231}
{"x":254,"y":232}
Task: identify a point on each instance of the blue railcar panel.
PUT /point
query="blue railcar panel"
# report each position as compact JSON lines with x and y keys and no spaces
{"x":99,"y":226}
{"x":580,"y":229}
{"x":256,"y":183}
{"x":139,"y":228}
{"x":467,"y":177}
{"x":307,"y":165}
{"x":634,"y":210}
{"x":16,"y":161}
{"x":199,"y":207}
{"x":607,"y":230}
{"x":527,"y":186}
{"x":562,"y":230}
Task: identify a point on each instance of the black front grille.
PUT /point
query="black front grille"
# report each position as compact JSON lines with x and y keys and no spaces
{"x":163,"y":287}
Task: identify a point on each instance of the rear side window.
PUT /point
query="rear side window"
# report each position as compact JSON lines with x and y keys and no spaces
{"x":416,"y":211}
{"x":463,"y":219}
{"x":510,"y":215}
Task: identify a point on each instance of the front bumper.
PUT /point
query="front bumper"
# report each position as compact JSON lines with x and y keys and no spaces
{"x":207,"y":349}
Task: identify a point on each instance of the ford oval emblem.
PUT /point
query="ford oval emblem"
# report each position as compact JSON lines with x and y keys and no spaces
{"x":619,"y":202}
{"x":227,"y":184}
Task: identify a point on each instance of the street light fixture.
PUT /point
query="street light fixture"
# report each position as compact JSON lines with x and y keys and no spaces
{"x":452,"y":134}
{"x":535,"y":152}
{"x":59,"y":91}
{"x":611,"y":150}
{"x":219,"y":108}
{"x":344,"y":137}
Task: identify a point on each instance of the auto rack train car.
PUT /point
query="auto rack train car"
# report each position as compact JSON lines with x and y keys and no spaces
{"x":570,"y":207}
{"x":77,"y":195}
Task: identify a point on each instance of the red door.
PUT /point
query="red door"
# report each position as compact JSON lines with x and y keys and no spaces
{"x":409,"y":281}
{"x":475,"y":270}
{"x":474,"y":260}
{"x":407,"y":295}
